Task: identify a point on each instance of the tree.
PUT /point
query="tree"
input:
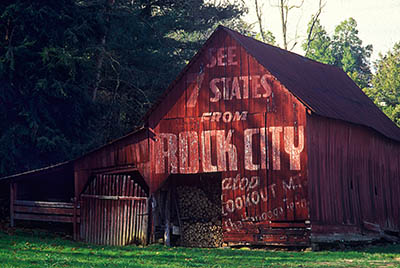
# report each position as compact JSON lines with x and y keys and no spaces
{"x":45,"y":110}
{"x":344,"y":49}
{"x":314,"y":22}
{"x":75,"y":74}
{"x":319,"y":45}
{"x":264,"y":35}
{"x":385,"y":90}
{"x":350,"y":54}
{"x":285,"y":6}
{"x":146,"y":45}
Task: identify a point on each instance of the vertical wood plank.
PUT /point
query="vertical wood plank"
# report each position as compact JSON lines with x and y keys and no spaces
{"x":81,"y":225}
{"x":146,"y":222}
{"x":91,"y":201}
{"x":74,"y":227}
{"x":108,"y":212}
{"x":86,"y":219}
{"x":140,"y":216}
{"x":96,"y":211}
{"x":87,"y":206}
{"x":129,"y":206}
{"x":101,"y":211}
{"x":143,"y":217}
{"x":12,"y":198}
{"x":167,"y":232}
{"x":90,"y":217}
{"x":117,"y":206}
{"x":135,"y":237}
{"x":121,"y":211}
{"x":93,"y":213}
{"x":124,"y":218}
{"x":112,"y":211}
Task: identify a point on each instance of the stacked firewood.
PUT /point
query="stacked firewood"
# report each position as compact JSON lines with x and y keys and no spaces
{"x":195,"y":205}
{"x":201,"y":234}
{"x":200,"y":212}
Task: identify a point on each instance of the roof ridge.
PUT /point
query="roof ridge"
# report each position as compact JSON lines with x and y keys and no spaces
{"x":232,"y":32}
{"x":292,"y":71}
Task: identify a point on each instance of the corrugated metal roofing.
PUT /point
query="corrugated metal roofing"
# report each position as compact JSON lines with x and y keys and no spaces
{"x":325,"y":89}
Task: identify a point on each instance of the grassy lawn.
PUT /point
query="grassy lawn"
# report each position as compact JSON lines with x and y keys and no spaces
{"x":38,"y":249}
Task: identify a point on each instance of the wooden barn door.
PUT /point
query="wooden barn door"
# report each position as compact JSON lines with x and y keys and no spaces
{"x":114,"y":211}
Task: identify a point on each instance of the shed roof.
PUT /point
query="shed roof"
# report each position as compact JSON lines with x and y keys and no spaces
{"x":325,"y":89}
{"x":62,"y":167}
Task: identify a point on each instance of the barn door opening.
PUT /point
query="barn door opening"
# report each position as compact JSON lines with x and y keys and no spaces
{"x":190,"y":210}
{"x":114,"y":211}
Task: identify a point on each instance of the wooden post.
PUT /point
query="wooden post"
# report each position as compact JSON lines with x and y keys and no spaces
{"x":146,"y":222}
{"x":12,"y":198}
{"x":167,"y":232}
{"x":75,"y":232}
{"x":154,"y":211}
{"x":177,"y":208}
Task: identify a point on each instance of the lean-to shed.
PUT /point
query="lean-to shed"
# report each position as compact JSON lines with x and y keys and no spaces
{"x":299,"y":153}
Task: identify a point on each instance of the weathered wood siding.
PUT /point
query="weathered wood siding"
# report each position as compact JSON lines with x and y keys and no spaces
{"x":114,"y":211}
{"x":228,"y":114}
{"x":354,"y":178}
{"x":130,"y":153}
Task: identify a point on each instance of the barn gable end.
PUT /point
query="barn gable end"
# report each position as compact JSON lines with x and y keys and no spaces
{"x":228,"y":114}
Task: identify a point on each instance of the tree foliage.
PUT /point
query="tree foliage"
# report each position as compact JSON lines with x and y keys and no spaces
{"x":75,"y":74}
{"x":385,"y":90}
{"x":44,"y":103}
{"x":344,"y":49}
{"x":350,"y":54}
{"x":319,"y":45}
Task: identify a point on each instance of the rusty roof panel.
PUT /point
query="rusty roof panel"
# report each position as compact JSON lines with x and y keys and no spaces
{"x":325,"y":89}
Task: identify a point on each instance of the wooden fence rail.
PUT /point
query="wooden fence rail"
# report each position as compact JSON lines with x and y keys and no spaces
{"x":45,"y":211}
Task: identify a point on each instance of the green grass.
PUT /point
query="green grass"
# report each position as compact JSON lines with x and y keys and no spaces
{"x":39,"y":249}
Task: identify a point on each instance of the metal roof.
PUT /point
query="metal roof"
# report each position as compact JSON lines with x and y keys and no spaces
{"x":325,"y":89}
{"x":48,"y":169}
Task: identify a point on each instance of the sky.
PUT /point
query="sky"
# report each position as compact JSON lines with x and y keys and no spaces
{"x":378,"y":21}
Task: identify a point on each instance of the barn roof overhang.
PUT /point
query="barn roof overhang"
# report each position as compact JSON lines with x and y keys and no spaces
{"x":68,"y":166}
{"x":62,"y":167}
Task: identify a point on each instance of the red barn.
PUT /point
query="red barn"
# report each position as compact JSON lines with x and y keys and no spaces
{"x":299,"y":153}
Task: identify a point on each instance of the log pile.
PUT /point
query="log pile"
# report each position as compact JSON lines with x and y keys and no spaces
{"x":194,"y":204}
{"x":201,"y":234}
{"x":200,"y":211}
